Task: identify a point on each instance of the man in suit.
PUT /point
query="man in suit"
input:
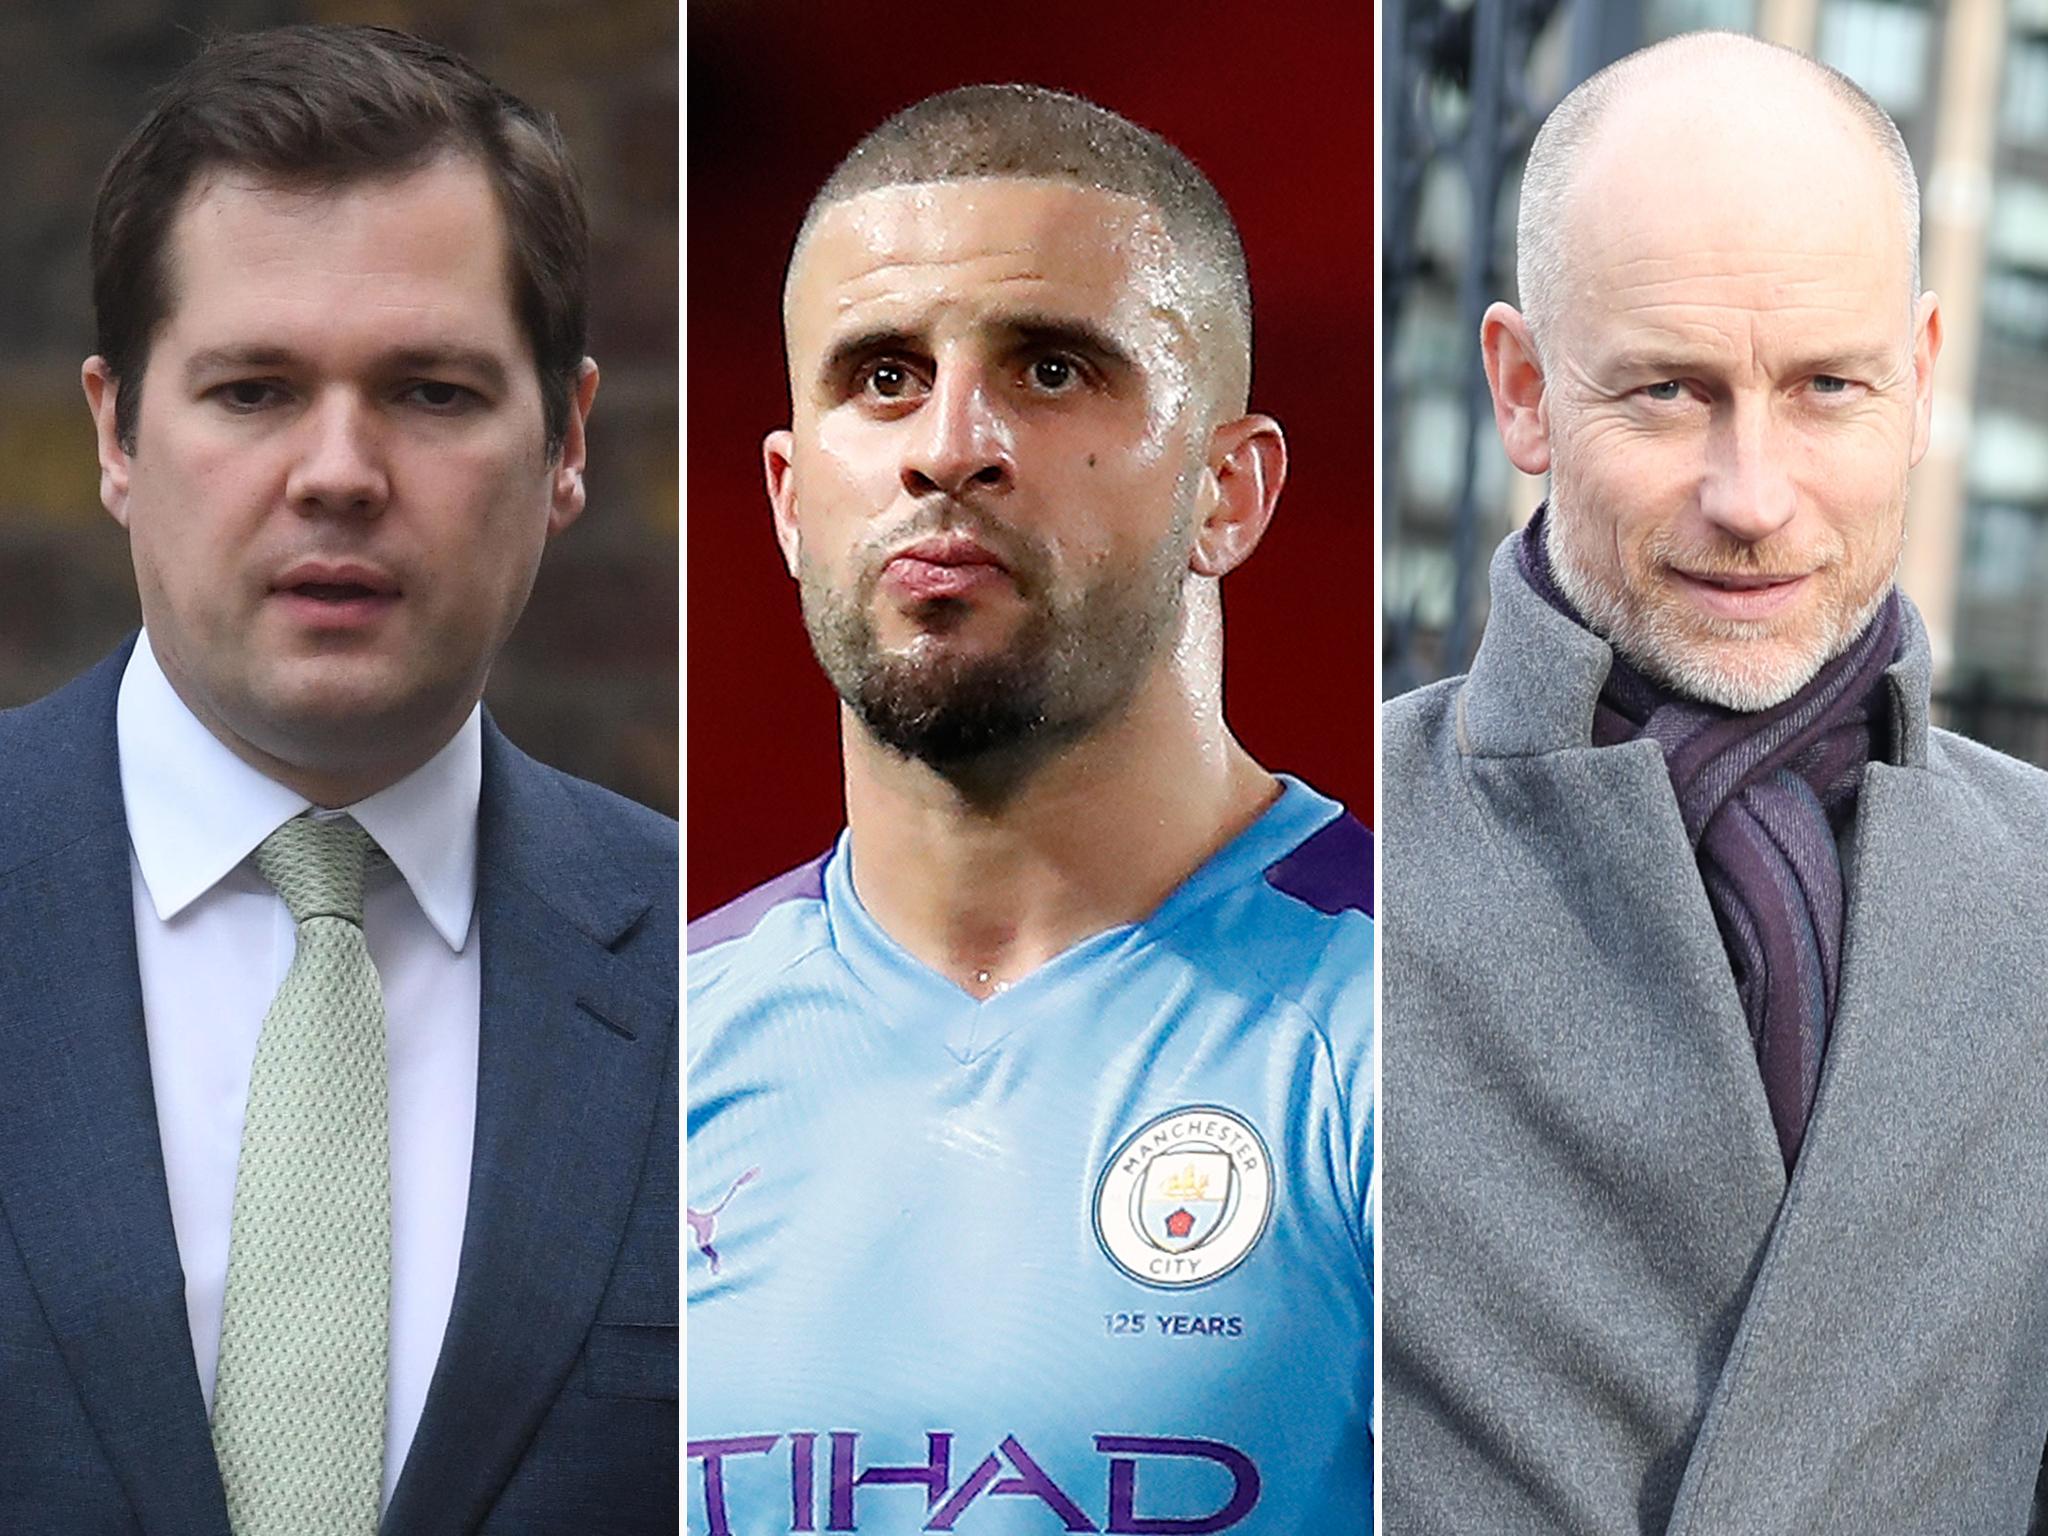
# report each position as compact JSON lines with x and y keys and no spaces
{"x":1713,"y":973}
{"x":337,"y":1036}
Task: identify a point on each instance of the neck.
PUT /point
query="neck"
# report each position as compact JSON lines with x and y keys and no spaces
{"x":986,"y":872}
{"x":328,"y":790}
{"x":343,"y":766}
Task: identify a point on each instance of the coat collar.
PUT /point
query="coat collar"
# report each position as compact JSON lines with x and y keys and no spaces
{"x":1537,"y":677}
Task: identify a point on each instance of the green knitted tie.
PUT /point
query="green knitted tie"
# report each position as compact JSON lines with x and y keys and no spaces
{"x":298,"y":1407}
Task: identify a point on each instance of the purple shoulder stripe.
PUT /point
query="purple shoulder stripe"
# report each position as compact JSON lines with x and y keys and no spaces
{"x":1331,"y":871}
{"x":740,"y":916}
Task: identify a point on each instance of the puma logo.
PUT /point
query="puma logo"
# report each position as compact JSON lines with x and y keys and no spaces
{"x":704,"y":1223}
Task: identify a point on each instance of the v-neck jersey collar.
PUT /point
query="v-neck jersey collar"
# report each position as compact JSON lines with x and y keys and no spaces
{"x":915,"y":996}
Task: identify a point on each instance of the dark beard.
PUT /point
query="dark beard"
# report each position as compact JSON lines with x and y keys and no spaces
{"x":1068,"y":667}
{"x":947,"y":713}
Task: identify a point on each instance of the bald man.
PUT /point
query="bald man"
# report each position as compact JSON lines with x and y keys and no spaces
{"x":1715,"y":996}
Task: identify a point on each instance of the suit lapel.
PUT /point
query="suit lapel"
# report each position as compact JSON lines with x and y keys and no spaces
{"x":573,"y":1049}
{"x":81,"y":1166}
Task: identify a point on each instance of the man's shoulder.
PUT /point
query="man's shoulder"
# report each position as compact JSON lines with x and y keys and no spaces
{"x":59,"y":717}
{"x":740,"y":957}
{"x":2008,"y":787}
{"x":1419,"y":756}
{"x":603,"y":863}
{"x":620,"y":827}
{"x":1294,"y":920}
{"x":1330,"y":870}
{"x":624,"y":823}
{"x":1419,"y":713}
{"x":59,"y":767}
{"x":758,"y":918}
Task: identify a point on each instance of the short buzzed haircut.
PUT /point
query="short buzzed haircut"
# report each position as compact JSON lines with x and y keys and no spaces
{"x":1030,"y":132}
{"x":1541,"y":225}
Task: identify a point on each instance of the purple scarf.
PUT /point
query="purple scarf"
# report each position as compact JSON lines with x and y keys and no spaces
{"x":1764,"y":798}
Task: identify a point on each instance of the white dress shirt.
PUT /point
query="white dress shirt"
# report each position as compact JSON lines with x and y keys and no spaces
{"x":213,"y":942}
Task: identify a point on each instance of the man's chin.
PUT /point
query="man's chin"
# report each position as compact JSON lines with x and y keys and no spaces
{"x":1740,"y":665}
{"x":952,"y":714}
{"x":350,"y":706}
{"x":1744,"y":675}
{"x":956,"y":643}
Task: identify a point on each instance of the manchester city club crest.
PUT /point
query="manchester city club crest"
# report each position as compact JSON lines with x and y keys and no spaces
{"x":1185,"y":1198}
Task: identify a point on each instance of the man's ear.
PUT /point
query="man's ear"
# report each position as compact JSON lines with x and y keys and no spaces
{"x":102,"y":389}
{"x":1515,"y":375}
{"x":1926,"y":348}
{"x":777,"y":449}
{"x":566,"y":504}
{"x":1247,"y":465}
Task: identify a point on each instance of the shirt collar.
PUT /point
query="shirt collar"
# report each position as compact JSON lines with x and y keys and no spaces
{"x":196,"y":811}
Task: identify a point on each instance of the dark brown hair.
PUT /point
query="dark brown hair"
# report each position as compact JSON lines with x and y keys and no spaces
{"x":325,"y":106}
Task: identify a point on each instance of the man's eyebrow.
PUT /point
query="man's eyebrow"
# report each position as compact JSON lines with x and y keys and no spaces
{"x":1068,"y":334}
{"x":1680,"y":362}
{"x":1851,"y":362}
{"x":486,"y":367}
{"x":1030,"y":329}
{"x":231,"y":359}
{"x":1663,"y":362}
{"x":861,"y":345}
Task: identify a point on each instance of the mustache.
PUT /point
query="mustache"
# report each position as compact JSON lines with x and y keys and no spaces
{"x":1772,"y":559}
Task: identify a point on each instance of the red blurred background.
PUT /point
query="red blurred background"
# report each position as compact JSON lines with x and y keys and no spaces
{"x":1275,"y":104}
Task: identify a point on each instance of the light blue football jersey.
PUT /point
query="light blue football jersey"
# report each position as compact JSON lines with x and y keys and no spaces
{"x":1091,"y":1255}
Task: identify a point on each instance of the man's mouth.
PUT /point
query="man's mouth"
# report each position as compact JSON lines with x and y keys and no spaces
{"x":1744,"y":594}
{"x":945,"y":565}
{"x":336,"y":593}
{"x":333,"y":591}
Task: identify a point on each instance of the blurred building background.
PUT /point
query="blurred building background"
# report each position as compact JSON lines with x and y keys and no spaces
{"x":589,"y":680}
{"x":1464,"y":88}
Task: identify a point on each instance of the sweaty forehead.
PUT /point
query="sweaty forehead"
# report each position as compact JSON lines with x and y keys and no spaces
{"x":996,"y":239}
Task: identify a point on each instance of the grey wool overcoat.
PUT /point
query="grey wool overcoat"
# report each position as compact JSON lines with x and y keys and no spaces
{"x":1606,"y":1308}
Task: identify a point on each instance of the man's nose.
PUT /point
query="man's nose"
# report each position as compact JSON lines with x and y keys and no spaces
{"x":961,"y":438}
{"x":339,"y":465}
{"x":1748,"y":491}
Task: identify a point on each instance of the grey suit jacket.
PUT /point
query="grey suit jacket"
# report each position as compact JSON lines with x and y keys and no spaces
{"x":1605,"y":1307}
{"x":553,"y":1406}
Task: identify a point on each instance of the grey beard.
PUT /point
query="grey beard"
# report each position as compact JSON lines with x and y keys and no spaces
{"x":1652,"y":643}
